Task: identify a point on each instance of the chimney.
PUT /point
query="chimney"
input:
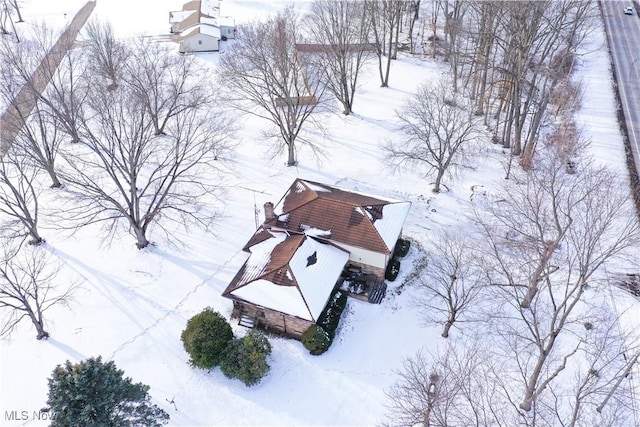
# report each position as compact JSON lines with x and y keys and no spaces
{"x":268,"y":211}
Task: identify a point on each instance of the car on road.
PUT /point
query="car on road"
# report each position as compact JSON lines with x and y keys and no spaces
{"x":628,"y":10}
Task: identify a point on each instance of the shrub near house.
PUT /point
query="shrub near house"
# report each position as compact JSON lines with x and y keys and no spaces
{"x":319,"y":337}
{"x":246,"y":358}
{"x":209,"y":340}
{"x":205,"y":338}
{"x":297,"y":256}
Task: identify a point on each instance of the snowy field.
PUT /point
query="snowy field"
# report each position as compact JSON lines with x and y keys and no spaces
{"x":132,"y":305}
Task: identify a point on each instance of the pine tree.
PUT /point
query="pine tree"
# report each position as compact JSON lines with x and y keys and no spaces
{"x":92,"y":393}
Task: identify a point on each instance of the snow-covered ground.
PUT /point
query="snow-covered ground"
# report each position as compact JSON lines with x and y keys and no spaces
{"x":132,"y":305}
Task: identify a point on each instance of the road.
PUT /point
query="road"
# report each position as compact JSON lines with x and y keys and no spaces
{"x":11,"y":120}
{"x":623,"y":34}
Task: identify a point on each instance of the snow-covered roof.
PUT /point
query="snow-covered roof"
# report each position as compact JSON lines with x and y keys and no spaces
{"x":210,"y":30}
{"x":205,"y":12}
{"x":292,"y":274}
{"x":390,"y":225}
{"x":210,"y":8}
{"x":180,"y":15}
{"x":316,"y":279}
{"x":203,"y":29}
{"x":226,"y":21}
{"x":209,"y":21}
{"x":285,"y":299}
{"x":342,"y":216}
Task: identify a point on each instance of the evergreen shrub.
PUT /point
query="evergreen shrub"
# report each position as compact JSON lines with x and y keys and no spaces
{"x":246,"y":358}
{"x":316,"y":340}
{"x":392,"y":270}
{"x":402,"y":248}
{"x":205,"y":338}
{"x":330,"y":316}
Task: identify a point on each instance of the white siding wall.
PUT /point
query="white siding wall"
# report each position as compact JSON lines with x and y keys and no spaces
{"x":227,"y":31}
{"x":199,"y":43}
{"x":365,"y":256}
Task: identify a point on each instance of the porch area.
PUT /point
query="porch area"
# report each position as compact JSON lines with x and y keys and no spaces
{"x":363,"y":286}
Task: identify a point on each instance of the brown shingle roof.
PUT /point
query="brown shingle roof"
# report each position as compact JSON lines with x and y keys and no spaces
{"x":304,"y":271}
{"x":259,"y":236}
{"x":348,"y":216}
{"x":273,"y":268}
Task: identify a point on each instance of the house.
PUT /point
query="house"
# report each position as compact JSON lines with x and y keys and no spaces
{"x":364,"y":225}
{"x":310,"y":240}
{"x":199,"y":38}
{"x":199,"y":27}
{"x":286,"y":281}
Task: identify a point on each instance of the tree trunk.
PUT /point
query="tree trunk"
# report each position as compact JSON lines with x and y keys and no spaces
{"x":539,"y":273}
{"x":436,"y":186}
{"x":532,"y":290}
{"x":17,"y":8}
{"x":346,"y":98}
{"x":141,"y":238}
{"x":447,"y":327}
{"x":55,"y":182}
{"x":291,"y":149}
{"x":35,"y":237}
{"x":42,"y":334}
{"x":37,"y":321}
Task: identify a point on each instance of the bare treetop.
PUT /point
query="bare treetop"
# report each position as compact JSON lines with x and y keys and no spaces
{"x":267,"y":78}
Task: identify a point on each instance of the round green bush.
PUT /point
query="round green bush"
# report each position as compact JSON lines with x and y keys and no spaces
{"x":316,"y":340}
{"x":205,"y":338}
{"x":246,"y":358}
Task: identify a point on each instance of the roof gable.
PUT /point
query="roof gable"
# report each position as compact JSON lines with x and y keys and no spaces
{"x":200,"y":29}
{"x":278,"y":274}
{"x":347,"y":217}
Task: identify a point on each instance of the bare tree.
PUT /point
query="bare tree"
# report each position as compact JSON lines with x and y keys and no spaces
{"x":36,"y":128}
{"x":451,"y":282}
{"x":39,"y":140}
{"x":21,"y":60}
{"x":28,"y":288}
{"x":14,"y":4}
{"x":272,"y":81}
{"x":164,"y":81}
{"x":475,"y":381}
{"x":19,"y":197}
{"x":107,"y":55}
{"x":417,"y":392}
{"x":7,"y":7}
{"x":549,"y":238}
{"x":603,"y":376}
{"x":121,"y":172}
{"x":66,"y":91}
{"x":385,"y":16}
{"x":343,"y":28}
{"x":440,"y":130}
{"x":53,"y":80}
{"x":447,"y":387}
{"x":514,"y":54}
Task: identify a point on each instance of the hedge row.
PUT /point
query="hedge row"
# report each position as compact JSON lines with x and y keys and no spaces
{"x":318,"y":338}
